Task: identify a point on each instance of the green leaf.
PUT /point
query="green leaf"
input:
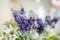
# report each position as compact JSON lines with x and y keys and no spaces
{"x":52,"y":38}
{"x":21,"y":38}
{"x":18,"y":38}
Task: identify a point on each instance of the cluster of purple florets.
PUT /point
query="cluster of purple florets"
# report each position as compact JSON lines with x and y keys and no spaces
{"x":51,"y":22}
{"x":28,"y":23}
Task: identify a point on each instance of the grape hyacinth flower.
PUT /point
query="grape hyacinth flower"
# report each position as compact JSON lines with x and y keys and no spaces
{"x":50,"y":21}
{"x":26,"y":23}
{"x":21,"y":19}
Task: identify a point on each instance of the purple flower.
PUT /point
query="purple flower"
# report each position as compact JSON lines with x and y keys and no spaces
{"x":48,"y":20}
{"x":25,"y":23}
{"x":41,"y":26}
{"x":39,"y":21}
{"x":22,"y":11}
{"x":40,"y":29}
{"x":31,"y":21}
{"x":21,"y":19}
{"x":54,"y":21}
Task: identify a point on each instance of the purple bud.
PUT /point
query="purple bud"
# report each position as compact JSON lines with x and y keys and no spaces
{"x":22,"y":11}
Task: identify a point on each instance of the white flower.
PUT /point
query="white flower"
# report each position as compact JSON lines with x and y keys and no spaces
{"x":50,"y":30}
{"x":11,"y":32}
